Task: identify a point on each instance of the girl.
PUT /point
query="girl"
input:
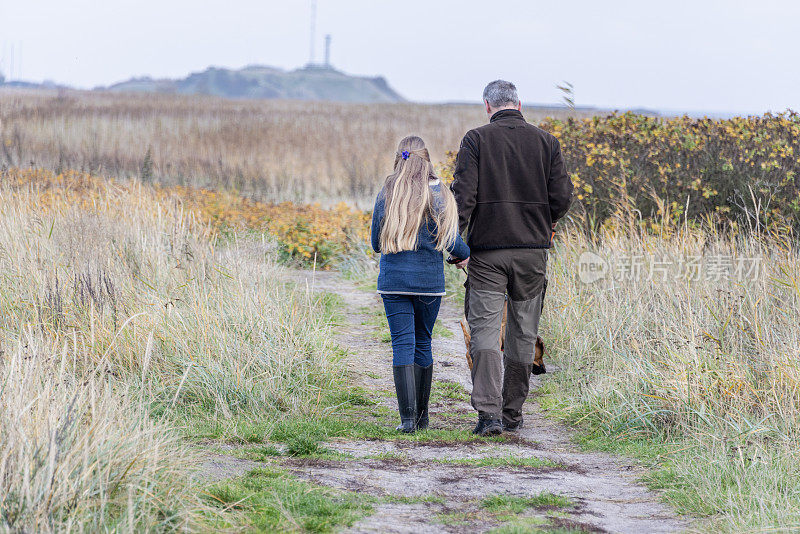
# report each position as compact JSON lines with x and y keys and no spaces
{"x":415,"y":219}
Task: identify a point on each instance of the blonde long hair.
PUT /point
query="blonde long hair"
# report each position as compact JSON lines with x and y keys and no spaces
{"x":410,"y":202}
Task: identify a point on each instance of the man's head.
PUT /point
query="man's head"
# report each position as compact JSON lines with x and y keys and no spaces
{"x":500,"y":94}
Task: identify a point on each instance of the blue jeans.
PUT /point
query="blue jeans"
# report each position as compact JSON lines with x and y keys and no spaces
{"x":411,"y":319}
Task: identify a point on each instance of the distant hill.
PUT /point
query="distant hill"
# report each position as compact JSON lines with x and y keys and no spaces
{"x":309,"y":83}
{"x":21,"y":84}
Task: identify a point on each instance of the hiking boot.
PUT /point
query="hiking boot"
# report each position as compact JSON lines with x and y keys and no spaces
{"x":512,"y":427}
{"x":488,"y":427}
{"x":405,"y":387}
{"x":422,"y":378}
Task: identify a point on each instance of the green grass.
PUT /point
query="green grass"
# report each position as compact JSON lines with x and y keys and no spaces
{"x":517,"y":514}
{"x":259,"y":452}
{"x":332,"y":303}
{"x":269,"y":500}
{"x":450,"y":391}
{"x":303,"y":435}
{"x":440,"y":330}
{"x":376,"y":318}
{"x":679,"y":490}
{"x":254,"y":415}
{"x":329,"y":303}
{"x":682,"y":470}
{"x":351,"y":396}
{"x":517,"y":505}
{"x":302,"y":444}
{"x":418,"y":499}
{"x":266,"y":453}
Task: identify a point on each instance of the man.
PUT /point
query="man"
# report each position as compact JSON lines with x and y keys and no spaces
{"x":511,"y":188}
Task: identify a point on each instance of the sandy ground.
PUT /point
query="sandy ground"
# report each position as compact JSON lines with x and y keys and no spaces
{"x":603,"y":488}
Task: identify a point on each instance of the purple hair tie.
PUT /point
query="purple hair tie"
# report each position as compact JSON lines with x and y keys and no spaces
{"x":404,"y":154}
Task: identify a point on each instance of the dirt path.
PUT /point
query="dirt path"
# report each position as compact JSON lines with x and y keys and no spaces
{"x":441,"y":483}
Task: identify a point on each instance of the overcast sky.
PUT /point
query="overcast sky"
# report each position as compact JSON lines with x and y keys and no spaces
{"x":699,"y":55}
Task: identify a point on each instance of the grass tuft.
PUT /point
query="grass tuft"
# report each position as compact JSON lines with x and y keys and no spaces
{"x":271,"y":500}
{"x":517,"y":505}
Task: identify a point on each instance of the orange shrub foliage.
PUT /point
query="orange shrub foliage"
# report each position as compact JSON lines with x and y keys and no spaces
{"x":304,"y":233}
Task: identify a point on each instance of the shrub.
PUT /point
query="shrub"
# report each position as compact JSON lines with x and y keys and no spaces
{"x":742,"y":170}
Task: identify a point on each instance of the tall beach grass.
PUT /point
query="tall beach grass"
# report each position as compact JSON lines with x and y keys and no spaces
{"x":701,"y":370}
{"x":127,"y":323}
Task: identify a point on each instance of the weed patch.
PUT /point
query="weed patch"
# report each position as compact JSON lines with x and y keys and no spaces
{"x":449,"y":390}
{"x":517,"y":505}
{"x":269,"y":500}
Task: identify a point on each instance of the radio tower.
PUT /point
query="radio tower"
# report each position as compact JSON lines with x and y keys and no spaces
{"x":313,"y":31}
{"x":328,"y":51}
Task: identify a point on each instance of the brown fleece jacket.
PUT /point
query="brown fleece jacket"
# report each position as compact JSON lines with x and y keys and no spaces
{"x":510,"y":184}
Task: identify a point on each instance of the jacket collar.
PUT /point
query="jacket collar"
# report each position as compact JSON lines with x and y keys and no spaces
{"x":507,"y":114}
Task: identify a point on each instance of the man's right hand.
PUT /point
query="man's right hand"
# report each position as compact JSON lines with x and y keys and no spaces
{"x":462,"y":264}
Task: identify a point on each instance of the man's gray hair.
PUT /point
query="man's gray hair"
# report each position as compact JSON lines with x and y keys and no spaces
{"x":500,"y":93}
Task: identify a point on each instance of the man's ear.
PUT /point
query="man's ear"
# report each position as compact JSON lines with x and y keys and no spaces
{"x":519,"y":105}
{"x":488,"y":107}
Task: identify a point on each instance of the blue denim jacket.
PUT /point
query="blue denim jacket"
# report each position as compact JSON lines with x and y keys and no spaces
{"x":414,"y":272}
